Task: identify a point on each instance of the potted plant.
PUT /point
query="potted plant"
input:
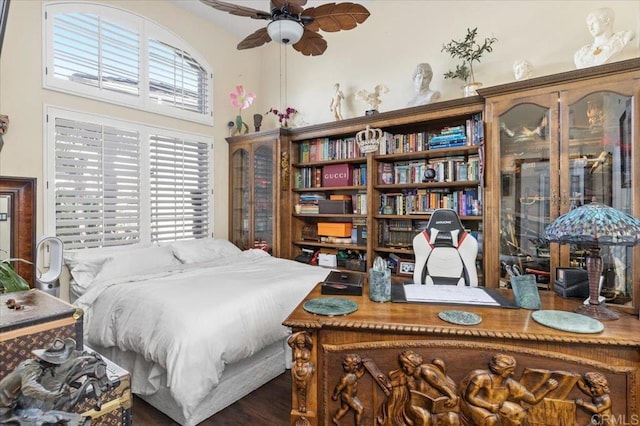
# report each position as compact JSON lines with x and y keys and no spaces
{"x":10,"y":281}
{"x":468,"y":50}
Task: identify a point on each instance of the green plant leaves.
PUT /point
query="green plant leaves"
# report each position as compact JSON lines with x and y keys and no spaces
{"x":468,"y":50}
{"x":10,"y":281}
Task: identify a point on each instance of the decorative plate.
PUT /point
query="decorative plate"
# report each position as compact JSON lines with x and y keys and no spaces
{"x":460,"y":317}
{"x":568,"y":321}
{"x":330,"y":306}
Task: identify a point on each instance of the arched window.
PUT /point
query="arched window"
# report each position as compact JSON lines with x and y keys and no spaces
{"x":119,"y":57}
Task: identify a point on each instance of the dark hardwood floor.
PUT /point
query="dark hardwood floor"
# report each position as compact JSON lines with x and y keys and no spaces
{"x":269,"y":405}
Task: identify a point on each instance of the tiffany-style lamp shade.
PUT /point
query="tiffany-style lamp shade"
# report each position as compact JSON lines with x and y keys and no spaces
{"x":595,"y":225}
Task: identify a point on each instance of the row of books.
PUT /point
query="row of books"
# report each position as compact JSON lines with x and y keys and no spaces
{"x":314,"y":177}
{"x":449,"y":137}
{"x":308,"y":203}
{"x":469,"y":133}
{"x":465,"y":202}
{"x":324,"y":149}
{"x":449,"y":169}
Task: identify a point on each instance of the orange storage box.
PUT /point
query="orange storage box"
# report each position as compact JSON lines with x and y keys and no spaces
{"x":332,"y":229}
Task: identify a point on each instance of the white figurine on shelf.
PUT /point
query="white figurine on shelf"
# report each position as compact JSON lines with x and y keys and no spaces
{"x":336,"y":103}
{"x":422,"y":79}
{"x":605,"y":44}
{"x":522,"y":69}
{"x":373,"y":98}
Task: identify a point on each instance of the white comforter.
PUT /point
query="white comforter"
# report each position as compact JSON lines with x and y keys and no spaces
{"x":193,"y":321}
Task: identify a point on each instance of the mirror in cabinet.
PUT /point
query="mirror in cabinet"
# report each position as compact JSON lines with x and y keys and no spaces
{"x":17,"y":223}
{"x":525,"y":185}
{"x":253,"y":208}
{"x":600,"y":170}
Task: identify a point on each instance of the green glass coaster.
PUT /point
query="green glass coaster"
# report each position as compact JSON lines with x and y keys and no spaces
{"x":330,"y":306}
{"x":568,"y":321}
{"x":460,"y":317}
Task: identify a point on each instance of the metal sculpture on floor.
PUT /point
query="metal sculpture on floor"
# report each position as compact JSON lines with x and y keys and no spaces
{"x":44,"y":391}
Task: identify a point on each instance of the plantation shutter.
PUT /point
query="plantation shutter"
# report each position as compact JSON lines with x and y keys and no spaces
{"x":179,"y":175}
{"x":95,"y":51}
{"x":97,"y":184}
{"x":176,"y":79}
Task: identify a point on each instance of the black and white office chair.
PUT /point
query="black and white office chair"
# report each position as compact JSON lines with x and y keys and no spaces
{"x":445,"y":253}
{"x":49,"y":257}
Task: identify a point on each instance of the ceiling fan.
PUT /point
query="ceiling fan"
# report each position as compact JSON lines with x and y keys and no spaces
{"x":291,"y":24}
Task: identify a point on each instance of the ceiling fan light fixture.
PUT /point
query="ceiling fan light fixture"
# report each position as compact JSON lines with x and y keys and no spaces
{"x":285,"y":31}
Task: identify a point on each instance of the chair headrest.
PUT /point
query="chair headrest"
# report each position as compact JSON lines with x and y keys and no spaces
{"x":445,"y":220}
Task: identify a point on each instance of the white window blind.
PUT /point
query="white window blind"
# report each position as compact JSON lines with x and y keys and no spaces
{"x":113,"y":182}
{"x":175,"y":78}
{"x":179,"y":188}
{"x":103,"y":52}
{"x":97,"y":184}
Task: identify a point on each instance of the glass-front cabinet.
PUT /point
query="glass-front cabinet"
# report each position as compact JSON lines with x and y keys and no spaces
{"x":557,"y":143}
{"x":253,"y":177}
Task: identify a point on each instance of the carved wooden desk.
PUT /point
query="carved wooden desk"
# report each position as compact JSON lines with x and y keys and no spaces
{"x":395,"y":363}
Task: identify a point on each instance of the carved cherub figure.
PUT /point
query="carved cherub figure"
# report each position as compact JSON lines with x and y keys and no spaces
{"x":373,"y":98}
{"x":596,"y":386}
{"x":347,"y":389}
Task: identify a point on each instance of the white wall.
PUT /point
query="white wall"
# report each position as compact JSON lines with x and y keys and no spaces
{"x":399,"y":34}
{"x":385,"y":49}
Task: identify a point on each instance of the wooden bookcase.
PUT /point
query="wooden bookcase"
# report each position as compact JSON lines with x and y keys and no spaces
{"x":563,"y":99}
{"x":378,"y":231}
{"x":254,"y":190}
{"x":555,"y":143}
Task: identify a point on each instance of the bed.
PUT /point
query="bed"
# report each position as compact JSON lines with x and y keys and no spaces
{"x":197,"y":323}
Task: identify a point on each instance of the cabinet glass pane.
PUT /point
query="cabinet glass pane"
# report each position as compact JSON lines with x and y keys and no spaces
{"x":263,"y":195}
{"x":241,"y":197}
{"x":600,"y":170}
{"x":525,"y":192}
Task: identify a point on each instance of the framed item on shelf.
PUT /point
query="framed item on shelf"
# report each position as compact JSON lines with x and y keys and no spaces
{"x":406,"y":268}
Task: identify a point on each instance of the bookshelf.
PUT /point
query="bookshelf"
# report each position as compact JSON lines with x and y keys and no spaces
{"x":388,"y":199}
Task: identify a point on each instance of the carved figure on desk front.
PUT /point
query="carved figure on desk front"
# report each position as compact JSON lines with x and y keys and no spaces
{"x":421,"y":395}
{"x":302,"y":369}
{"x":347,"y":389}
{"x":487,"y":396}
{"x":596,"y":386}
{"x":44,"y":391}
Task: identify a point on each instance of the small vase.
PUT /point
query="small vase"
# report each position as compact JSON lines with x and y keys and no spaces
{"x":470,"y":89}
{"x":241,"y":126}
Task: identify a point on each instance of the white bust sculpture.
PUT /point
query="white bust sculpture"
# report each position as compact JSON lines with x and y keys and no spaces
{"x":605,"y":44}
{"x":422,"y":79}
{"x":522,"y":69}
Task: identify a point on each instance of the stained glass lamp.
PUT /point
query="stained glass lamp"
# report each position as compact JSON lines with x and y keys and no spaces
{"x":595,"y":225}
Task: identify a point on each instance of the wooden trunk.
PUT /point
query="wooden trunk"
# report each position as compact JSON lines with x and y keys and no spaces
{"x":42,"y":319}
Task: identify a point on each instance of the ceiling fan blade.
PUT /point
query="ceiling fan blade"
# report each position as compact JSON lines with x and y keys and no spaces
{"x":256,"y":39}
{"x":332,"y":17}
{"x":311,"y":44}
{"x":295,"y":6}
{"x":237,"y":10}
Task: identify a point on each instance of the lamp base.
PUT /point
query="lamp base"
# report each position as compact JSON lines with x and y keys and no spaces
{"x":599,"y":312}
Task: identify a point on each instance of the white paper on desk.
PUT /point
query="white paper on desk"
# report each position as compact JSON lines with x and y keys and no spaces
{"x":448,"y":294}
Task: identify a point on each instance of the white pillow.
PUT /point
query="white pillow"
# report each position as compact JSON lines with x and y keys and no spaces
{"x":85,"y":264}
{"x":203,"y":250}
{"x":138,"y":262}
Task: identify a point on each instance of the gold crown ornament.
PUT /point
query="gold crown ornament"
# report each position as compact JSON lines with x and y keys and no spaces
{"x":369,"y":139}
